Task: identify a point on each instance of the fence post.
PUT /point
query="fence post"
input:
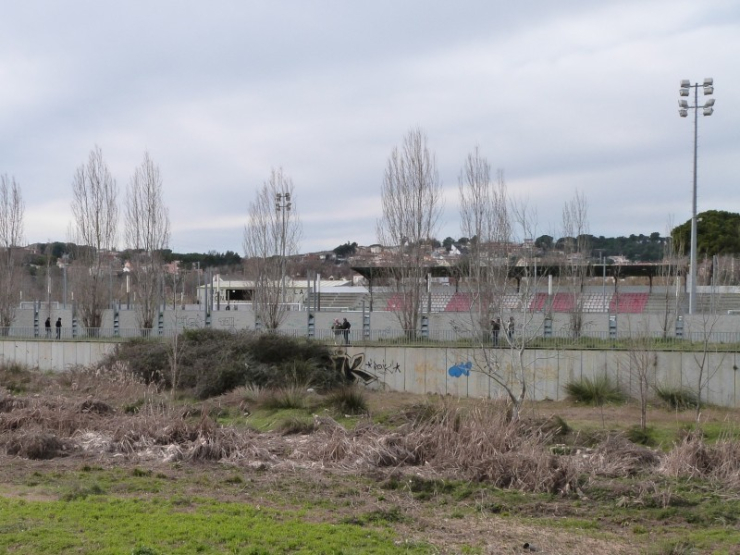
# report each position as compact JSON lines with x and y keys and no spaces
{"x":311,"y":325}
{"x":613,"y":326}
{"x":365,"y":323}
{"x":679,"y":327}
{"x":424,"y":326}
{"x":36,"y":309}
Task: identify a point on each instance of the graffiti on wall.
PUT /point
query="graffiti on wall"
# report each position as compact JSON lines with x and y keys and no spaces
{"x":227,"y":324}
{"x":383,"y":367}
{"x":460,"y":369}
{"x":187,"y":322}
{"x":351,"y":366}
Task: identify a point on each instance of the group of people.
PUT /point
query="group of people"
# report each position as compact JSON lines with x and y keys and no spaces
{"x":496,"y":326}
{"x":341,"y":329}
{"x":58,"y":326}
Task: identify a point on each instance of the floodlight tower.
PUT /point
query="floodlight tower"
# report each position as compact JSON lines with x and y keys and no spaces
{"x":683,"y":111}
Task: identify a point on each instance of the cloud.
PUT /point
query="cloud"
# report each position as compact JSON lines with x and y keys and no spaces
{"x":572,"y":95}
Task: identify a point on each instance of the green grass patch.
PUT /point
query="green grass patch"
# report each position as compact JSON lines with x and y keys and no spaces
{"x":107,"y":526}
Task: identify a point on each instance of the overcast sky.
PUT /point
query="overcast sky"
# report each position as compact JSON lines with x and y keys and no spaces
{"x":563,"y":96}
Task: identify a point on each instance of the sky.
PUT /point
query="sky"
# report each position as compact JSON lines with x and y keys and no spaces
{"x":564,"y":97}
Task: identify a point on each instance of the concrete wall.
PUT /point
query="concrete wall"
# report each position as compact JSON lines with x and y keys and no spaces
{"x":54,"y":355}
{"x":457,"y":372}
{"x":380,"y":321}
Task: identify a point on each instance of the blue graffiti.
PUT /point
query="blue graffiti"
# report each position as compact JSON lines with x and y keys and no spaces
{"x":460,"y":369}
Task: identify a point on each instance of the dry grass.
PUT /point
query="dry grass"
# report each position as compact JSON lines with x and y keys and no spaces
{"x":462,"y":439}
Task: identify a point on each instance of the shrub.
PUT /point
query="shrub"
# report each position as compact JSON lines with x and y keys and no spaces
{"x":596,"y":392}
{"x":212,"y":362}
{"x":677,"y":398}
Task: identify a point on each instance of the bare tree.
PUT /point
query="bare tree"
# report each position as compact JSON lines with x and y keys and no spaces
{"x":577,"y":251}
{"x":95,"y":211}
{"x":11,"y":237}
{"x":671,"y":295}
{"x":642,"y":365}
{"x":147,"y":235}
{"x":272,"y":234}
{"x":492,"y":220}
{"x":411,"y":197}
{"x":484,"y":214}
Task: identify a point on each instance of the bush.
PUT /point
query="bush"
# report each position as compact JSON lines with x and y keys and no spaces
{"x":213,"y":362}
{"x":596,"y":392}
{"x":677,"y":398}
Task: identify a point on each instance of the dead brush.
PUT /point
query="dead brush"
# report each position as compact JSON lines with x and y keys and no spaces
{"x":37,"y":444}
{"x":484,"y":445}
{"x":617,"y":457}
{"x":47,"y":413}
{"x":114,"y":383}
{"x":693,"y":458}
{"x":213,"y":445}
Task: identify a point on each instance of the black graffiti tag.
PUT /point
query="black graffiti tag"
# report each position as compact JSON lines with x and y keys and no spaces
{"x":383,"y":367}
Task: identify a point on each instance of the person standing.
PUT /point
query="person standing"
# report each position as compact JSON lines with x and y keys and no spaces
{"x":345,"y":328}
{"x":510,"y":328}
{"x":338,"y":330}
{"x":496,"y":329}
{"x":59,"y":328}
{"x":47,"y":325}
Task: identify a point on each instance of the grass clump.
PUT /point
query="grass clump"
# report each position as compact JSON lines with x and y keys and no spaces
{"x":677,"y":398}
{"x":295,"y":426}
{"x":595,"y":392}
{"x":290,"y":397}
{"x":348,"y":400}
{"x":641,"y":436}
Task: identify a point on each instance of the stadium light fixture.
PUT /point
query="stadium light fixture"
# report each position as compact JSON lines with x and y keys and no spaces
{"x":683,"y":110}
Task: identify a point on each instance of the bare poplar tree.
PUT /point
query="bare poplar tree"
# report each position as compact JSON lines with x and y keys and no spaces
{"x":577,"y":250}
{"x":411,"y":197}
{"x":484,"y":213}
{"x":11,"y":237}
{"x":272,"y":234}
{"x":147,"y":234}
{"x":95,"y":211}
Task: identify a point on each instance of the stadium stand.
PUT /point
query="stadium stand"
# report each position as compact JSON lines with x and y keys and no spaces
{"x":629,"y":303}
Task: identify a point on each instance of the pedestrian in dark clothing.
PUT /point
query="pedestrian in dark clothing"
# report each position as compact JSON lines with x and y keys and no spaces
{"x":345,"y":329}
{"x":510,"y":328}
{"x":47,"y":325}
{"x":59,"y":328}
{"x":496,"y":329}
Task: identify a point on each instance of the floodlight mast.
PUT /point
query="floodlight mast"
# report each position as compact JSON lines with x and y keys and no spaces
{"x":683,"y":111}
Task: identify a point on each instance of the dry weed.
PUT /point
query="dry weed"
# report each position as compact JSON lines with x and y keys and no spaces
{"x":37,"y":444}
{"x":617,"y":457}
